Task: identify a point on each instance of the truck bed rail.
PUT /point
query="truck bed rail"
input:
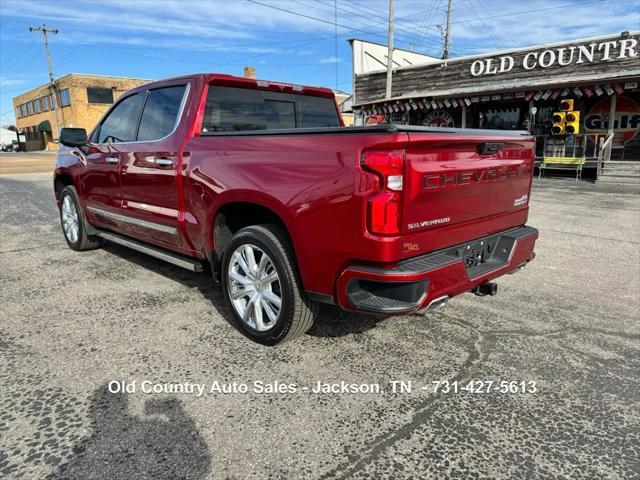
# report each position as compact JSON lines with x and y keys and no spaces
{"x":384,"y":128}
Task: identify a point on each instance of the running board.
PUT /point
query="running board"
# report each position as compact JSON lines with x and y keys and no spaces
{"x":169,"y":257}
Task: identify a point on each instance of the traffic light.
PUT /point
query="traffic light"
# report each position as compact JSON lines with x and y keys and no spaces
{"x":572,"y":122}
{"x":559,"y":120}
{"x":566,"y":105}
{"x":567,"y":120}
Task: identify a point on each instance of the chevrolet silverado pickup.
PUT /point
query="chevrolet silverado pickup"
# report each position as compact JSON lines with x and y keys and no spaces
{"x":261,"y":182}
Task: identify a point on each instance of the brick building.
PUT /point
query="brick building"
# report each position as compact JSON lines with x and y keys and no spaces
{"x":82,"y":100}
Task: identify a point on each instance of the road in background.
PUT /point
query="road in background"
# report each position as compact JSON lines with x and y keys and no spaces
{"x":12,"y":163}
{"x":73,"y":322}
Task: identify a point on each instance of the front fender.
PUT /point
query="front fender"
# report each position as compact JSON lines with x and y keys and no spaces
{"x":69,"y":162}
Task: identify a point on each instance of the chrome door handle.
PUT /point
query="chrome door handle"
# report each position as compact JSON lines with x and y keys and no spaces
{"x":112,"y":160}
{"x":163,"y":162}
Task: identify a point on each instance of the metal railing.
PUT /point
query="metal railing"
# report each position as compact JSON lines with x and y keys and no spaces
{"x":604,"y":154}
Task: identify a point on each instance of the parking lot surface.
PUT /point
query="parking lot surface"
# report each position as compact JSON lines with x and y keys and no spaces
{"x":31,"y":162}
{"x":71,"y":323}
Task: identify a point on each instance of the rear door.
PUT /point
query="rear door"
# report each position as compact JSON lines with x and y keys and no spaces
{"x":455,"y":180}
{"x":149,"y":170}
{"x":101,"y":180}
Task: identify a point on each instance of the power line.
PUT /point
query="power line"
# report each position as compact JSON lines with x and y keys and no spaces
{"x":398,"y":19}
{"x":408,"y":33}
{"x":226,"y":46}
{"x":425,"y":21}
{"x":487,"y":32}
{"x":507,"y":34}
{"x":533,"y":10}
{"x":66,"y":57}
{"x":367,"y":13}
{"x":18,"y":53}
{"x":4,"y":92}
{"x":348,"y":28}
{"x":318,"y":19}
{"x":17,"y":61}
{"x":337,"y":25}
{"x":195,"y":62}
{"x":291,"y":47}
{"x":192,"y":62}
{"x":519,"y":12}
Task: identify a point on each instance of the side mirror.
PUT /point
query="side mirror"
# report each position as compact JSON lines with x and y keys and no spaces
{"x":73,"y":137}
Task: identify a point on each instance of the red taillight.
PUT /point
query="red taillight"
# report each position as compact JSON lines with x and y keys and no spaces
{"x":384,"y":213}
{"x":384,"y":206}
{"x":386,"y":162}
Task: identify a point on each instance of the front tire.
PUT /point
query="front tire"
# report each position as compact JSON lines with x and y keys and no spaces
{"x":72,"y":221}
{"x":262,"y":287}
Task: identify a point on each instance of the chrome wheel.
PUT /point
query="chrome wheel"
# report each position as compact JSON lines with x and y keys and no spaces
{"x":70,"y":220}
{"x":254,"y":287}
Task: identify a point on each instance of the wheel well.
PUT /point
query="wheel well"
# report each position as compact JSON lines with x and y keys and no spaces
{"x":61,"y":181}
{"x":234,"y":216}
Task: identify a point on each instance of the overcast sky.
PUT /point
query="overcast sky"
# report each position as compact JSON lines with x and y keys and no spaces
{"x":287,"y":40}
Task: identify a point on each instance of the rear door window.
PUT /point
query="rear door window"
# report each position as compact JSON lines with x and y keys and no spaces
{"x":120,"y":125}
{"x":232,"y":109}
{"x":160,"y":113}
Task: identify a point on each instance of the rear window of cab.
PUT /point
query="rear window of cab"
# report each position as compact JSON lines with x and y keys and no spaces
{"x":233,"y":109}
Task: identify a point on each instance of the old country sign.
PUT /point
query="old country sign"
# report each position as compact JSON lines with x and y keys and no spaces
{"x":564,"y":56}
{"x":602,"y":60}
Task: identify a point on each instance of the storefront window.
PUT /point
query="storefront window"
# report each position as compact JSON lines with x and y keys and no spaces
{"x":501,"y":119}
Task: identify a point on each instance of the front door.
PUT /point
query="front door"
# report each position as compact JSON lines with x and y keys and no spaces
{"x":101,"y":180}
{"x":149,"y":169}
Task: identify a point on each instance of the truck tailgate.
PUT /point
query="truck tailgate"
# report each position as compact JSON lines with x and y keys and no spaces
{"x":455,"y":180}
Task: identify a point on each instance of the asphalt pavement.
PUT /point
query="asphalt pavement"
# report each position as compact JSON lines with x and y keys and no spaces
{"x":75,"y":325}
{"x":26,"y":162}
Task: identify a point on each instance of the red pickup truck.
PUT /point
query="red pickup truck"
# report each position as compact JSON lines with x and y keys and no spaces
{"x":290,"y":208}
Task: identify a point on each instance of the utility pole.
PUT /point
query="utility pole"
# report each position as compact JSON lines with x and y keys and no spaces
{"x":52,"y":86}
{"x":335,"y":20}
{"x":447,"y":33}
{"x":390,"y":52}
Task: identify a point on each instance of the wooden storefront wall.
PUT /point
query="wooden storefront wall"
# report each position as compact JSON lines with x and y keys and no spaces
{"x":455,"y":75}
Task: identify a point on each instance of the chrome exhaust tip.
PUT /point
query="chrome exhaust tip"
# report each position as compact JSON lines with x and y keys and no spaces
{"x":439,"y":302}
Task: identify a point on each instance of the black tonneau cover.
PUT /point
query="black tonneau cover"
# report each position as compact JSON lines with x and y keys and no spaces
{"x":384,"y":128}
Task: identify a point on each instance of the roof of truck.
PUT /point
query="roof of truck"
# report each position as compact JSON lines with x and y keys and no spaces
{"x":231,"y":80}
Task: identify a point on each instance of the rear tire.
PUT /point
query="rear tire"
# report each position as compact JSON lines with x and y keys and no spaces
{"x":73,"y":222}
{"x":262,"y":287}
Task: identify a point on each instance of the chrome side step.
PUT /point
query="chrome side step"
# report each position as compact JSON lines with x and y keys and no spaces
{"x":174,"y":258}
